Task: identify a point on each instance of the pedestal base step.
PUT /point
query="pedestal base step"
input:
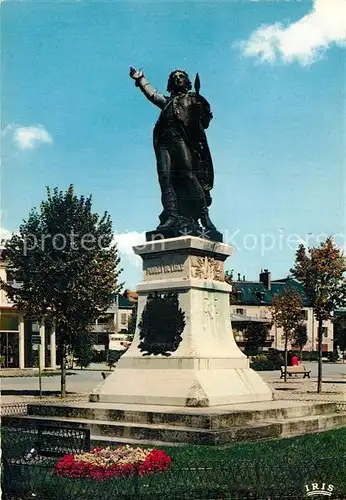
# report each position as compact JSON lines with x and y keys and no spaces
{"x":205,"y":418}
{"x":159,"y":433}
{"x":113,"y":441}
{"x":288,"y":420}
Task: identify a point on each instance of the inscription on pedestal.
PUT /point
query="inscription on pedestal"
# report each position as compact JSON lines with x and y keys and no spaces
{"x":163,"y":269}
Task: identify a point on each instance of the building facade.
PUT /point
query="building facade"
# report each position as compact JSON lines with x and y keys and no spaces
{"x":112,"y":327}
{"x":252,"y":300}
{"x":26,"y":344}
{"x":20,"y":337}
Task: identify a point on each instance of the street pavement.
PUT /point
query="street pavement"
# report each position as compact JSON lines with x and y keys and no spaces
{"x":84,"y":381}
{"x":81,"y":382}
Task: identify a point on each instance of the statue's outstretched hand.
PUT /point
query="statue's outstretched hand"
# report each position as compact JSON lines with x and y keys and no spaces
{"x":136,"y":74}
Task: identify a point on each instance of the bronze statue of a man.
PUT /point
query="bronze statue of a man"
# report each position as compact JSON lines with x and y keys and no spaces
{"x":184,"y":163}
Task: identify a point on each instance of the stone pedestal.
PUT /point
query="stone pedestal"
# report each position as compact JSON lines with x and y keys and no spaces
{"x":183,"y":352}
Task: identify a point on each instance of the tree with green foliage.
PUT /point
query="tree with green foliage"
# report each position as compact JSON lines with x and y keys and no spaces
{"x":113,"y":357}
{"x":300,"y":337}
{"x":340,"y":333}
{"x":321,"y":271}
{"x":64,"y":256}
{"x":287,"y":314}
{"x":83,"y":351}
{"x":255,"y":336}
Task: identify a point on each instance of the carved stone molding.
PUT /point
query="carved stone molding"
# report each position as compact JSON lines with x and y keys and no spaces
{"x":207,"y":268}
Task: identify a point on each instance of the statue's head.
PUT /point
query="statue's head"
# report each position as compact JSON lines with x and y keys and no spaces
{"x":178,"y":80}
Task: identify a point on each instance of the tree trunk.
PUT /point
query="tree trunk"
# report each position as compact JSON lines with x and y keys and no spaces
{"x":63,"y":371}
{"x":286,"y":342}
{"x":320,"y":338}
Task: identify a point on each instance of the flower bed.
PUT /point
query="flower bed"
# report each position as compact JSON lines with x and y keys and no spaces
{"x":109,"y":462}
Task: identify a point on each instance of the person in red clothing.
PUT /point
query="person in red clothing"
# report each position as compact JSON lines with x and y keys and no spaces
{"x":294,"y":360}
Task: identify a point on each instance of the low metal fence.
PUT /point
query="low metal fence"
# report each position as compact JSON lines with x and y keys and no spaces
{"x":30,"y":480}
{"x":21,"y":408}
{"x":22,"y":443}
{"x":30,"y":454}
{"x":13,"y":409}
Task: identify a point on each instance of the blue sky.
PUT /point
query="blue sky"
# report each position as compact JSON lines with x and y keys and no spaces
{"x":273,"y":72}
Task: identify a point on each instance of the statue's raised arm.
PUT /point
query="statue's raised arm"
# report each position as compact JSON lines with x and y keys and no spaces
{"x":148,"y":90}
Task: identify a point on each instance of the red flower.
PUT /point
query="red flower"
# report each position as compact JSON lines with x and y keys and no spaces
{"x":98,"y":464}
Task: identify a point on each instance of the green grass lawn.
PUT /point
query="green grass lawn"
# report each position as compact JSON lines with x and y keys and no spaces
{"x":283,"y":466}
{"x":311,"y":446}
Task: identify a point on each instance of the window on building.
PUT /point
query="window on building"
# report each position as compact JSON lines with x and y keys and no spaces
{"x":240,"y":311}
{"x":325,"y":331}
{"x":9,"y":349}
{"x":13,"y":277}
{"x":305,"y":314}
{"x":260,"y":295}
{"x":123,"y":318}
{"x":9,"y":322}
{"x":35,"y":327}
{"x":103,"y":320}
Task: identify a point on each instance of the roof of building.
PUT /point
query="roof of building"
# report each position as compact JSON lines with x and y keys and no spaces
{"x":125,"y":303}
{"x":255,"y":292}
{"x":125,"y":300}
{"x":131,"y":295}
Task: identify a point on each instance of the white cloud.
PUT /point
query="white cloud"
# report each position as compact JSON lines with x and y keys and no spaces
{"x":125,"y":242}
{"x":305,"y":40}
{"x":5,"y":234}
{"x":27,"y":137}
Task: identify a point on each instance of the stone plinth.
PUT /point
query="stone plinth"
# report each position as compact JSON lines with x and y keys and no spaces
{"x":183,"y":352}
{"x":158,"y":234}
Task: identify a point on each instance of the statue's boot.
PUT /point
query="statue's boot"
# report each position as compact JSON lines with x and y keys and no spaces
{"x":205,"y":220}
{"x":170,"y":222}
{"x":169,"y":202}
